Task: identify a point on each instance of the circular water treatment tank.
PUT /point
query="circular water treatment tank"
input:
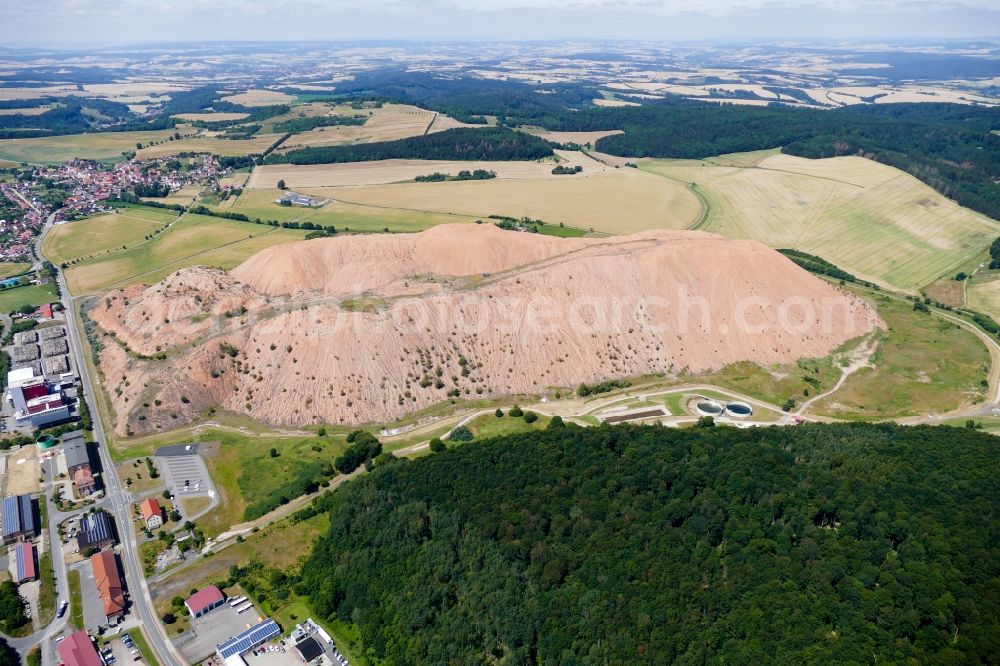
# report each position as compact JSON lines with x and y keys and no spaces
{"x":738,"y":409}
{"x":708,"y":408}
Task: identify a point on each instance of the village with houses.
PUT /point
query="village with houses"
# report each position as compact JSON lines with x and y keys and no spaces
{"x":31,"y":196}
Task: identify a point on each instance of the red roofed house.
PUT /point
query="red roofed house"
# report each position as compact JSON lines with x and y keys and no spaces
{"x":24,"y":559}
{"x":109,"y":584}
{"x":45,"y":310}
{"x":205,"y":600}
{"x":78,"y":650}
{"x":151,"y":513}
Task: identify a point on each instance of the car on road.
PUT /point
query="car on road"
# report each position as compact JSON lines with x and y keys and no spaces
{"x":62,"y":608}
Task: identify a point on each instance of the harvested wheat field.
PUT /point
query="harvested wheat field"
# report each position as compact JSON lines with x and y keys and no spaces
{"x":259,"y":98}
{"x":211,"y":117}
{"x":984,"y":294}
{"x":579,"y":138}
{"x":870,"y":219}
{"x":462,"y":310}
{"x":388,"y":123}
{"x":614,"y":201}
{"x":382,"y":172}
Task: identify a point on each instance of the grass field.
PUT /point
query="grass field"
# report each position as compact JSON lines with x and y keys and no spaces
{"x":47,"y":591}
{"x":98,"y":235}
{"x":32,"y":294}
{"x":75,"y":599}
{"x":489,"y":425}
{"x":192,"y":240}
{"x":984,"y":293}
{"x":59,"y":149}
{"x":12,"y":268}
{"x":242,"y":468}
{"x":988,"y":424}
{"x":867,"y":218}
{"x":923,"y":365}
{"x":260,"y":204}
{"x":615,"y":201}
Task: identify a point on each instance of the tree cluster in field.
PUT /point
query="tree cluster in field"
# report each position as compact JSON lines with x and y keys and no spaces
{"x":602,"y":387}
{"x":240,"y":133}
{"x":12,"y":615}
{"x":156,"y":190}
{"x":561,"y":170}
{"x":463,"y":143}
{"x":297,"y":125}
{"x":525,"y":223}
{"x":842,"y":543}
{"x":363,"y":446}
{"x":464,"y":174}
{"x":10,"y":657}
{"x":130,"y":198}
{"x":995,"y":254}
{"x":821,"y":266}
{"x":255,"y":115}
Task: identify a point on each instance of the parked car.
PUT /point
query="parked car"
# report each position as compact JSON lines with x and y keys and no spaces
{"x":62,"y":608}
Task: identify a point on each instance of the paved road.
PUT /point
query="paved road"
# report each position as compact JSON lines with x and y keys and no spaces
{"x":117,"y":500}
{"x":59,"y":564}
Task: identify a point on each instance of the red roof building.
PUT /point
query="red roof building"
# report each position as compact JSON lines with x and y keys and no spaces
{"x":24,"y":556}
{"x":204,"y":600}
{"x":78,"y":650}
{"x":151,"y":513}
{"x":45,"y":310}
{"x":109,"y":583}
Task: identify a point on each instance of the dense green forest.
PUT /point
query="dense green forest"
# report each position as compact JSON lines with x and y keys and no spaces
{"x":814,"y":544}
{"x":463,"y":143}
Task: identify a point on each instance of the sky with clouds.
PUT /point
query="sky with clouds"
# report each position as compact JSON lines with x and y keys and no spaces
{"x":93,"y":21}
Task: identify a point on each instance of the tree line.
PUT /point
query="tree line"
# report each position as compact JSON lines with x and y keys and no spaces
{"x":463,"y":143}
{"x":814,"y":544}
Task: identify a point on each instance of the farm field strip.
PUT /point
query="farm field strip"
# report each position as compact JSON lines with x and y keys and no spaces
{"x":384,"y":172}
{"x":617,"y":201}
{"x":867,"y":218}
{"x":340,"y":214}
{"x":99,"y":234}
{"x":95,"y":146}
{"x":192,"y":240}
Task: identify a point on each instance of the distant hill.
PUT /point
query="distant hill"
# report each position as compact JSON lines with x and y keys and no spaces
{"x":814,"y":544}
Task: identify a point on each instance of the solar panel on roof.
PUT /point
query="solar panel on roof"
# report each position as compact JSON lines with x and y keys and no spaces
{"x":11,"y":516}
{"x":249,"y":639}
{"x":27,"y":515}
